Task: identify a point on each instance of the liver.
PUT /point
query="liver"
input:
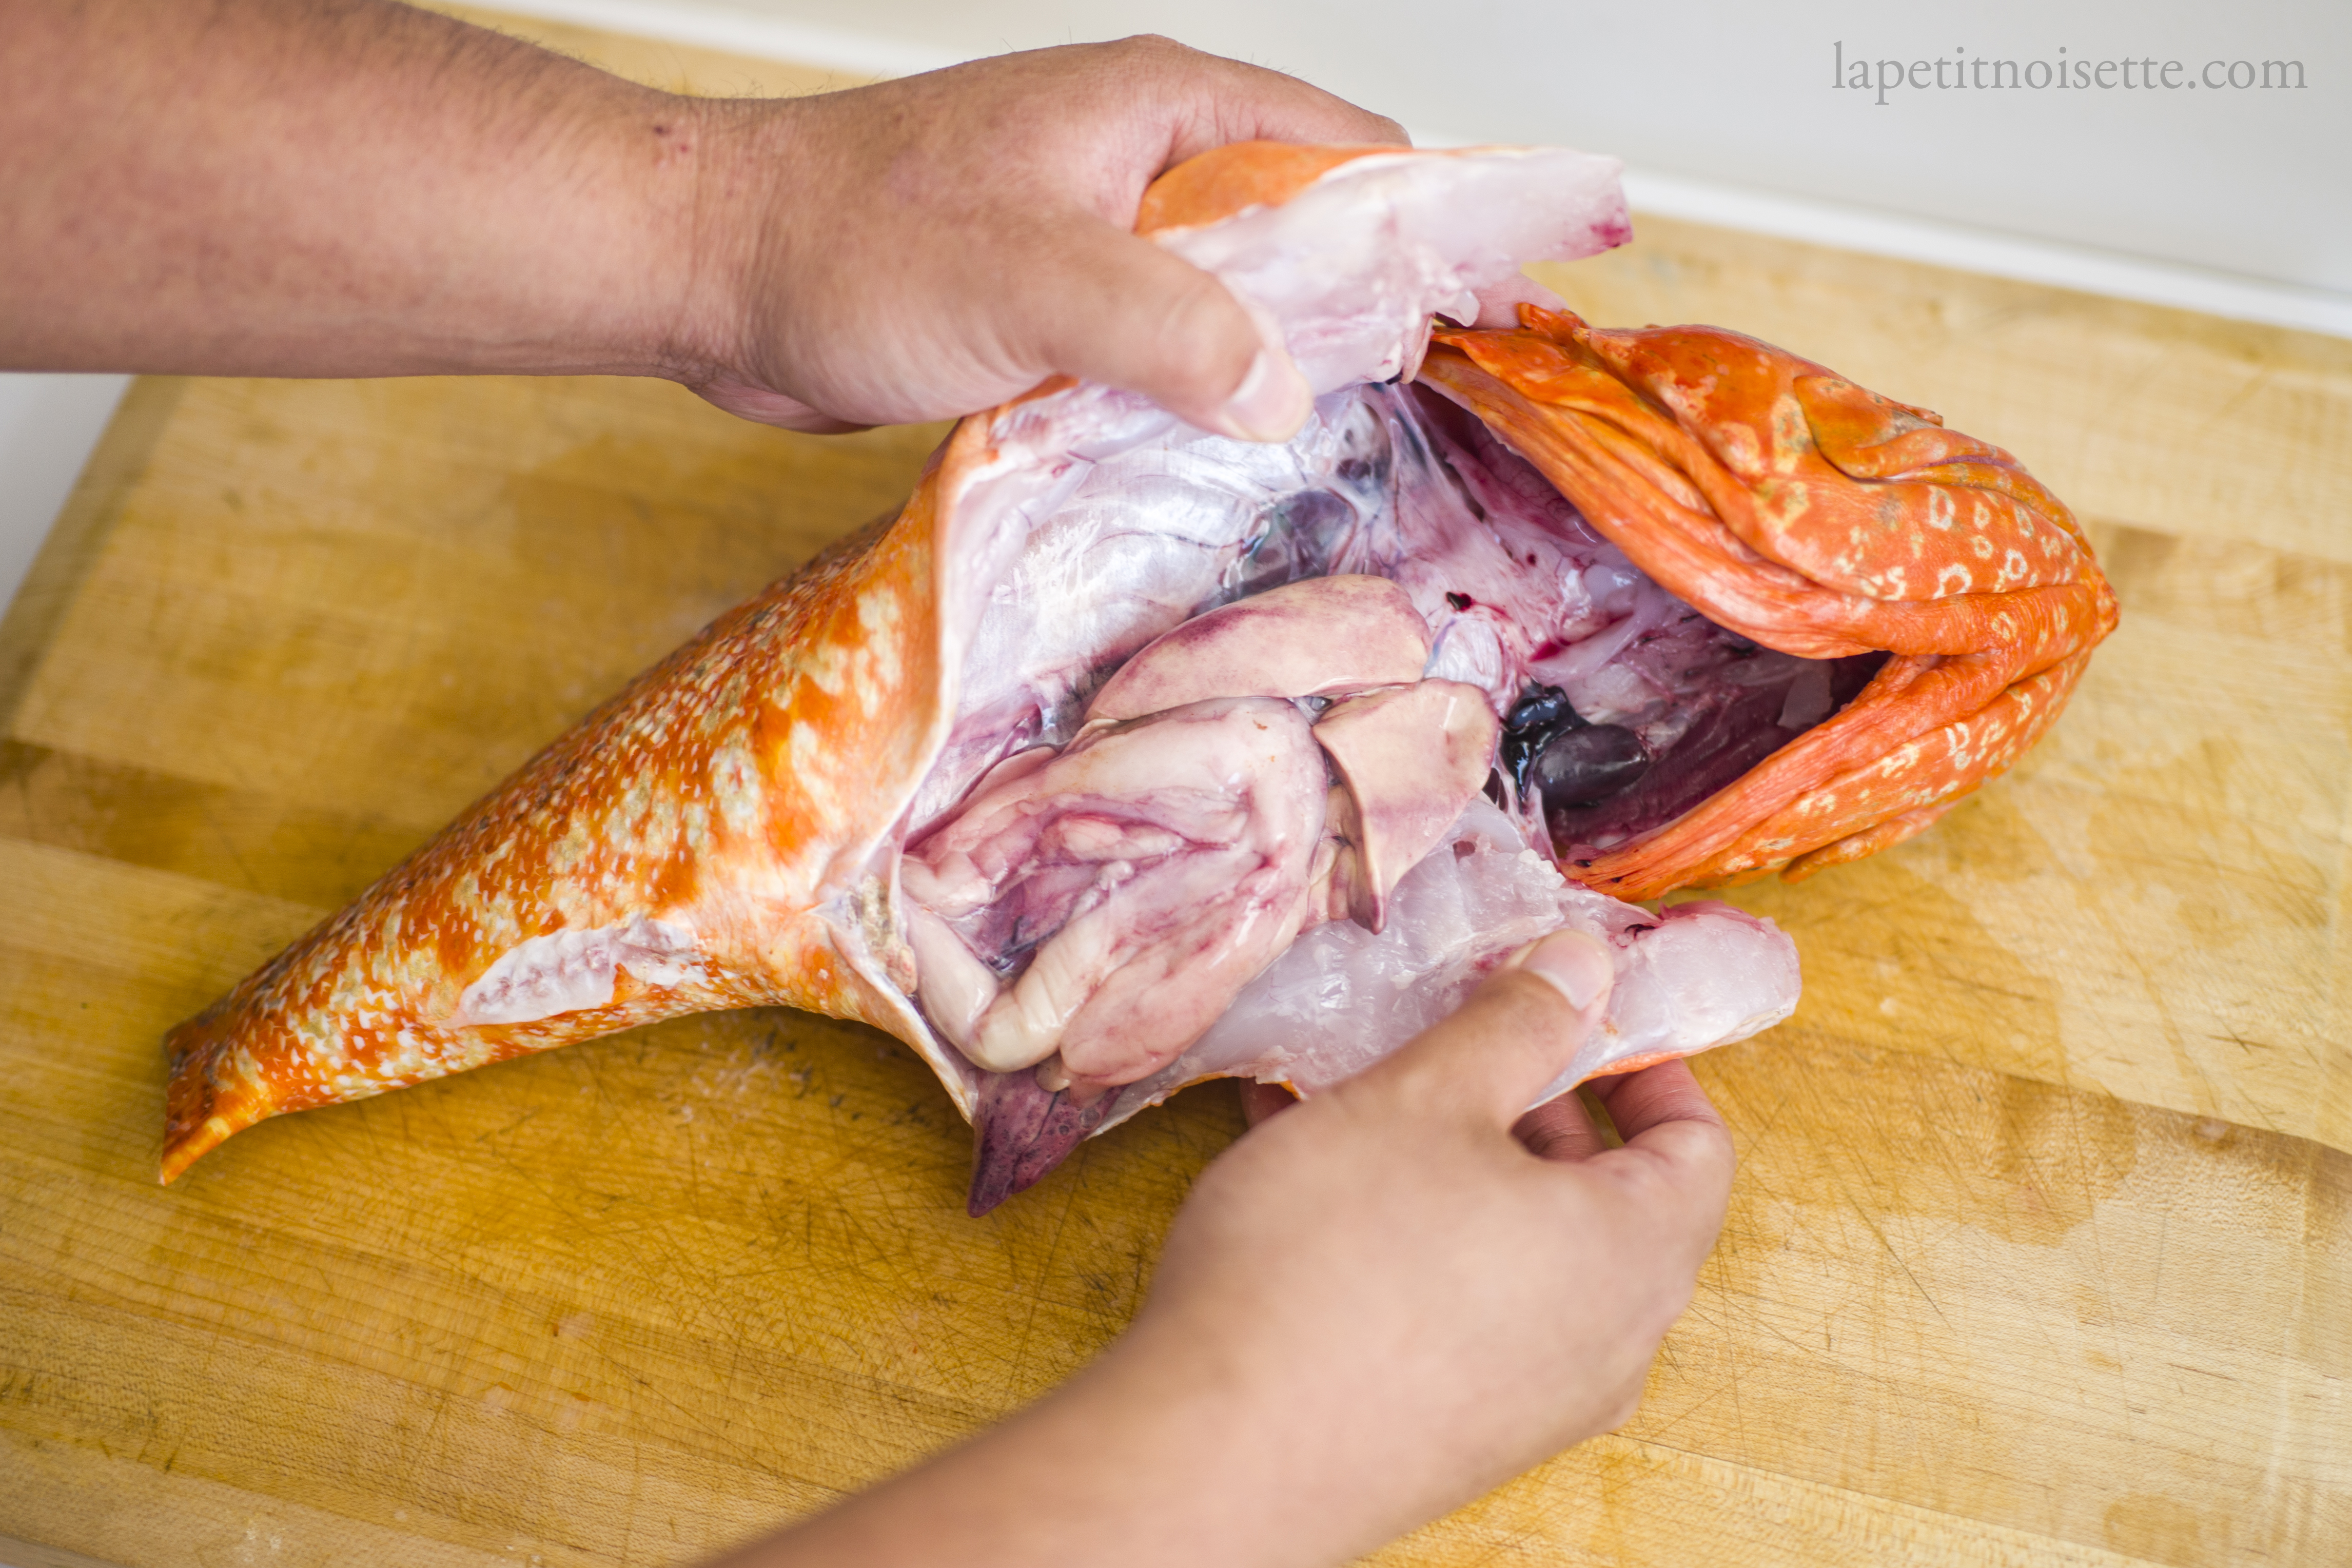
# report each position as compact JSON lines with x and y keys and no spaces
{"x":2040,"y":1252}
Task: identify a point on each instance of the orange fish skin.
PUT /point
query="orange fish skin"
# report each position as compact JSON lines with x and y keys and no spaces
{"x":738,"y":787}
{"x":1226,"y":180}
{"x":745,"y":785}
{"x":1819,"y":519}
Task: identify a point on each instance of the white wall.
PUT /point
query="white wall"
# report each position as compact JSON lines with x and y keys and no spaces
{"x":2253,"y":183}
{"x":2229,"y":198}
{"x":1741,"y":92}
{"x":47,"y":426}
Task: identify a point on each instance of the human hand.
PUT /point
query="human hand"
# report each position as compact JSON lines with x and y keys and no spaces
{"x":264,"y":187}
{"x":1374,"y":1307}
{"x":1423,"y":1291}
{"x":938,"y":243}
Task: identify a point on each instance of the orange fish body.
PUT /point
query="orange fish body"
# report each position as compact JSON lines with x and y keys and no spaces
{"x":724,"y":833}
{"x":1821,"y":519}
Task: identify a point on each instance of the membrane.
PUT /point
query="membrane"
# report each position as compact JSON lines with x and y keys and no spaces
{"x":1618,"y":707}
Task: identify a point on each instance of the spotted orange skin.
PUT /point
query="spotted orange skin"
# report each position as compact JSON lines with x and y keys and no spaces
{"x":1239,"y":175}
{"x":735,"y":786}
{"x":749,"y":778}
{"x":1815,"y":517}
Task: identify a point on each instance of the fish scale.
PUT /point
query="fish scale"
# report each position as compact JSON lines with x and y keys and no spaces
{"x":860,"y":700}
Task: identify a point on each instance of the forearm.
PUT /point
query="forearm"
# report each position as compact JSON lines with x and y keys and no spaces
{"x":354,"y":187}
{"x":341,"y":188}
{"x":1373,"y":1309}
{"x":1160,"y":1454}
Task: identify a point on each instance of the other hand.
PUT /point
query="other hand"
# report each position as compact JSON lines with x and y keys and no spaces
{"x":1374,"y":1307}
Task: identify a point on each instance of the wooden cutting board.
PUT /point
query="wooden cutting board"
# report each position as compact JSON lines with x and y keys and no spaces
{"x":2041,"y":1249}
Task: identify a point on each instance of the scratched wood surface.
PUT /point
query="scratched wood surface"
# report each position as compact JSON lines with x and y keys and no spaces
{"x":2042,"y":1250}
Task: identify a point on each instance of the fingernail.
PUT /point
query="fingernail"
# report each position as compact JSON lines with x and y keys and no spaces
{"x":1272,"y":402}
{"x":1578,"y":966}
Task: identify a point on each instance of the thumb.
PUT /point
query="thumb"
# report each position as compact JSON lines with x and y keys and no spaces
{"x":1116,"y":308}
{"x":1515,"y":1035}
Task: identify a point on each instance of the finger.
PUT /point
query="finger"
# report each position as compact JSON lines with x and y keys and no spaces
{"x":1655,"y":1097}
{"x":1261,"y":1101}
{"x":1677,"y":1154}
{"x":1560,"y":1128}
{"x":1210,"y":100}
{"x":1105,"y":305}
{"x":1517,"y":1033}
